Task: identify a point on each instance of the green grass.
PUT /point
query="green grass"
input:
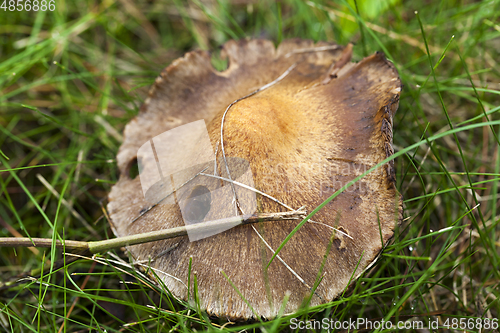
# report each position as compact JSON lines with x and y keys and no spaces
{"x":68,"y":74}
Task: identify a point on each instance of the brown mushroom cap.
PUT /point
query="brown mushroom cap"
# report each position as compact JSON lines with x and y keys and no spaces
{"x":304,"y":138}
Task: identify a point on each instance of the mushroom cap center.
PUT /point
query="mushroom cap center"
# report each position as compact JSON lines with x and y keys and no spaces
{"x":263,"y":121}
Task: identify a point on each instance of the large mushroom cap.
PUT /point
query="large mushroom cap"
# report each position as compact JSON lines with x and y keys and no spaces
{"x":322,"y":125}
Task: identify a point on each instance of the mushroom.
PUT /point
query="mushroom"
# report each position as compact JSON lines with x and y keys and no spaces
{"x":323,"y":122}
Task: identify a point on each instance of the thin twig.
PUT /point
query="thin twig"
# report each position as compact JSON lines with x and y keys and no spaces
{"x":117,"y":263}
{"x":264,"y":87}
{"x":42,"y":242}
{"x":333,"y":228}
{"x":215,"y":160}
{"x":156,"y":204}
{"x":105,"y":245}
{"x":67,"y":205}
{"x":160,"y":271}
{"x":274,"y":199}
{"x":17,"y":234}
{"x":100,"y":246}
{"x":249,"y":188}
{"x":284,"y":263}
{"x":109,"y":129}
